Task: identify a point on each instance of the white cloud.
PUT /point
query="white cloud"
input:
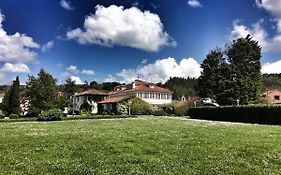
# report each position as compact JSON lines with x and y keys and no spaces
{"x":162,"y":70}
{"x":72,"y":69}
{"x":88,"y":72}
{"x":47,"y":46}
{"x":110,"y":78}
{"x":76,"y":79}
{"x":14,"y":68}
{"x":66,"y":5}
{"x":16,"y":47}
{"x":130,"y":27}
{"x":272,"y":68}
{"x":144,"y":61}
{"x":274,"y":8}
{"x":269,"y":44}
{"x":194,"y":3}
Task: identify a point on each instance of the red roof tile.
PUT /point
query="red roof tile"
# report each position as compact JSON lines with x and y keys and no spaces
{"x":143,"y":86}
{"x":115,"y":99}
{"x":91,"y":92}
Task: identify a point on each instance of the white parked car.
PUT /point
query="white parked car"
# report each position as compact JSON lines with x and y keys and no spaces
{"x":209,"y":102}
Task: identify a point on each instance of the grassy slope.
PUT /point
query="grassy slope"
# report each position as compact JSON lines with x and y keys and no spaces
{"x":139,"y":146}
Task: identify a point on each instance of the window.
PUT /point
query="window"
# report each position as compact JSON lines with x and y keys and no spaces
{"x":146,"y":95}
{"x":277,"y":97}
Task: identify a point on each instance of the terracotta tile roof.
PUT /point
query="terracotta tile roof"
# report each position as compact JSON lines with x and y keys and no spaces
{"x":143,"y":86}
{"x":91,"y":92}
{"x":115,"y":99}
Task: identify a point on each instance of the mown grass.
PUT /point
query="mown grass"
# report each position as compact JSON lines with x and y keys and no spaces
{"x":148,"y":145}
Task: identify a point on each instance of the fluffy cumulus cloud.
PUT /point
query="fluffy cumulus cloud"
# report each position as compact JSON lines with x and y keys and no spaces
{"x":72,"y":69}
{"x":273,"y":7}
{"x":47,"y":46}
{"x":14,"y":68}
{"x":115,"y":25}
{"x":17,"y":47}
{"x":66,"y":5}
{"x":194,"y":3}
{"x":88,"y":72}
{"x":76,"y":79}
{"x":272,"y":68}
{"x":269,"y":43}
{"x":162,"y":70}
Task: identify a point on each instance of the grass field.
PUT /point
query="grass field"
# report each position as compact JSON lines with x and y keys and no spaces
{"x":157,"y":145}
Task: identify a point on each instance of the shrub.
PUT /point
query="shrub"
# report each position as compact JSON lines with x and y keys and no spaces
{"x":122,"y":109}
{"x":181,"y":109}
{"x":86,"y":106}
{"x":2,"y":115}
{"x":246,"y":114}
{"x":83,"y":112}
{"x":50,"y":115}
{"x":104,"y":113}
{"x":14,"y":116}
{"x":140,"y":107}
{"x":159,"y":112}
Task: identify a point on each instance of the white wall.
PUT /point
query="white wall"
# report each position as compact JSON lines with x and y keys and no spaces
{"x":79,"y":100}
{"x":157,"y":101}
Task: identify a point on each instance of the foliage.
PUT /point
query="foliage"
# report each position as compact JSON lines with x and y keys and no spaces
{"x":42,"y":92}
{"x":14,"y":116}
{"x":181,"y":86}
{"x":50,"y":115}
{"x":86,"y":106}
{"x":83,"y":111}
{"x":2,"y":115}
{"x":11,"y":101}
{"x":139,"y":107}
{"x":104,"y":113}
{"x":271,"y":81}
{"x":159,"y":112}
{"x":122,"y":109}
{"x":242,"y":80}
{"x":181,"y":109}
{"x":246,"y":114}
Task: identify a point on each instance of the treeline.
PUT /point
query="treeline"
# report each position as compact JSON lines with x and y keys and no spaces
{"x":271,"y":81}
{"x":181,"y":87}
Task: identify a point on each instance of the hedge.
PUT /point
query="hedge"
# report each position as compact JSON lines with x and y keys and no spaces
{"x":245,"y":114}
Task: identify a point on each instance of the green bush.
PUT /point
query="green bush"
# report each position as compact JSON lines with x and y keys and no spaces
{"x":83,"y":112}
{"x":14,"y":116}
{"x":246,"y":114}
{"x":2,"y":115}
{"x":104,"y":113}
{"x":159,"y":112}
{"x":140,"y":107}
{"x":50,"y":115}
{"x":122,"y":109}
{"x":181,"y":109}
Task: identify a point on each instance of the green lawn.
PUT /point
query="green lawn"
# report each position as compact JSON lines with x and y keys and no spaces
{"x":155,"y":145}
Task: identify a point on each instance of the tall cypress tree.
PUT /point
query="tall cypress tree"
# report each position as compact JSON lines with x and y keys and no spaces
{"x":11,"y":101}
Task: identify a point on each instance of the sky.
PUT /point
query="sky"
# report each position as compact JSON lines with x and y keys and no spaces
{"x":121,"y":40}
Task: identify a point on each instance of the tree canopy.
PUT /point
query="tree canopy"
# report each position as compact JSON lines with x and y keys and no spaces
{"x":233,"y":74}
{"x":42,"y":92}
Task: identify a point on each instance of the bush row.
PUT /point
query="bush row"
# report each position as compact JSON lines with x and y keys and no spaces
{"x":246,"y":114}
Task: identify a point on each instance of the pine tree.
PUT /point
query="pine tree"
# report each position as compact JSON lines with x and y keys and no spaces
{"x":236,"y":78}
{"x":11,"y":101}
{"x":42,"y":92}
{"x":209,"y":79}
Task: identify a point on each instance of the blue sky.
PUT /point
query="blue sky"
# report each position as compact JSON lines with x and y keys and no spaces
{"x":120,"y":40}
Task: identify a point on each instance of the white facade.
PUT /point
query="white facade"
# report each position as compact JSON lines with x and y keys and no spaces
{"x":79,"y":100}
{"x":155,"y":98}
